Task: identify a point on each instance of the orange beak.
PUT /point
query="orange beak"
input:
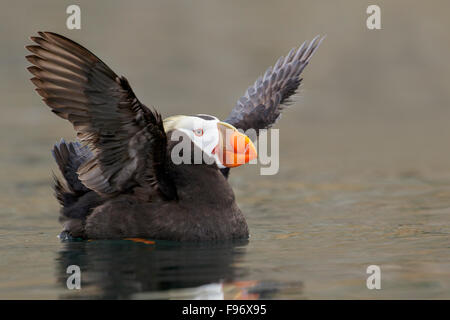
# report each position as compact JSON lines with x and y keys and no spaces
{"x":234,"y":148}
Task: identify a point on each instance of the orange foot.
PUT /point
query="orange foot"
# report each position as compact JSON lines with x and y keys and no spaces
{"x":140,"y":240}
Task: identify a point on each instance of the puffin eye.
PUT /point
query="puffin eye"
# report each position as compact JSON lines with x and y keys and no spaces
{"x":198,"y":132}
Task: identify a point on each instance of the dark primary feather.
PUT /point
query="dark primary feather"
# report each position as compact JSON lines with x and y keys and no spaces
{"x":126,"y":138}
{"x":262,"y":103}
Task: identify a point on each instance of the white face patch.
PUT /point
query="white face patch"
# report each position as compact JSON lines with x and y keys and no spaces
{"x":203,"y":131}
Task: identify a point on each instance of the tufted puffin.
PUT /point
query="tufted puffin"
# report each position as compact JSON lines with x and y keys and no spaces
{"x":121,"y":179}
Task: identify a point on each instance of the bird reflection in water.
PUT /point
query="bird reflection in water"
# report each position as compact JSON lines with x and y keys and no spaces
{"x":144,"y":269}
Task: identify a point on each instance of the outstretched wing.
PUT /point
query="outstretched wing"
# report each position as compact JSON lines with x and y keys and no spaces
{"x":127,"y":139}
{"x":262,"y":103}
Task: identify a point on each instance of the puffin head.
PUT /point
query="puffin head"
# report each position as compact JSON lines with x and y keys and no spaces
{"x":219,"y":140}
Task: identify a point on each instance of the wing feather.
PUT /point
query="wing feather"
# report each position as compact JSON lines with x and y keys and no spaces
{"x":126,"y":138}
{"x":261,"y":105}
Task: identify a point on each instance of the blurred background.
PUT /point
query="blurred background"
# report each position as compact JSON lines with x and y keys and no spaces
{"x":364,"y":155}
